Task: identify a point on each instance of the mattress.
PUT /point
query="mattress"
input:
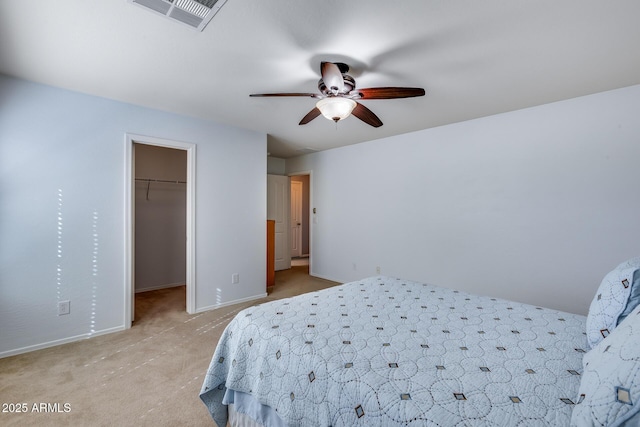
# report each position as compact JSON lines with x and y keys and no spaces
{"x":385,"y":351}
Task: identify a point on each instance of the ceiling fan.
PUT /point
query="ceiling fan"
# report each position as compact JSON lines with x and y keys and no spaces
{"x":338,"y":97}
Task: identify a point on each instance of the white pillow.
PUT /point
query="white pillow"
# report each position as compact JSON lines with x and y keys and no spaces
{"x":609,"y":392}
{"x":610,"y":301}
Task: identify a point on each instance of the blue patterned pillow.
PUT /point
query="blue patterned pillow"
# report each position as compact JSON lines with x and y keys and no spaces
{"x":609,"y":392}
{"x":611,"y":301}
{"x":634,"y":297}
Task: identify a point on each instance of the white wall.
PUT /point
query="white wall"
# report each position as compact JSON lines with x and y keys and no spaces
{"x":535,"y":205}
{"x":62,"y":211}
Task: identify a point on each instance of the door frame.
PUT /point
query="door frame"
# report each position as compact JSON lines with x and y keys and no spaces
{"x":129,"y":250}
{"x":312,"y":215}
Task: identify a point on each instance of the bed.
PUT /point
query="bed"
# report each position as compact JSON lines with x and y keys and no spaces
{"x":388,"y":352}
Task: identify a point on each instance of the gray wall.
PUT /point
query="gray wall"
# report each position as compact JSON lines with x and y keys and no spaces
{"x":276,"y":166}
{"x":535,"y":205}
{"x":62,"y":211}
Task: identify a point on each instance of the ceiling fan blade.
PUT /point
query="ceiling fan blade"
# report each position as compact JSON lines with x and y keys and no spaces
{"x":332,"y":77}
{"x":366,"y":115}
{"x":344,"y":68}
{"x":310,"y":116}
{"x":389,"y":92}
{"x":312,"y":95}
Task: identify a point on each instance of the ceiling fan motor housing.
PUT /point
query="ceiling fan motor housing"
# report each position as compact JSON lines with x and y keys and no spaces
{"x":349,"y":85}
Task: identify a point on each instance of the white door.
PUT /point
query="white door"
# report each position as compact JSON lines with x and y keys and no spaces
{"x":296,"y":219}
{"x":278,"y":209}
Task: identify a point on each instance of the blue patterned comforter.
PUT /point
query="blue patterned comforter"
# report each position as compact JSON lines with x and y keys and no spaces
{"x":386,"y":352}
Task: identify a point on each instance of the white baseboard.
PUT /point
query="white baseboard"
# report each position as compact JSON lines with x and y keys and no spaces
{"x":54,"y":343}
{"x":224,"y":304}
{"x":155,"y":288}
{"x":320,"y":276}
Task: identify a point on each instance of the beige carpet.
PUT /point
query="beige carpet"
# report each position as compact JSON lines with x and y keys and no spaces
{"x":149,"y":375}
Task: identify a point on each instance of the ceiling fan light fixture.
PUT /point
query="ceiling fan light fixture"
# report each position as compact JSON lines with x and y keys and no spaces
{"x":336,"y":108}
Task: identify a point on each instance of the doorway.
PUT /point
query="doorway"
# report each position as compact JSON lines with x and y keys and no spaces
{"x":301,"y":220}
{"x":159,"y":186}
{"x":159,"y":221}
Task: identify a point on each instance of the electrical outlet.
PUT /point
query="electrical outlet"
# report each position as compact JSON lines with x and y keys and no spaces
{"x":64,"y":307}
{"x":378,"y":270}
{"x":235,"y":278}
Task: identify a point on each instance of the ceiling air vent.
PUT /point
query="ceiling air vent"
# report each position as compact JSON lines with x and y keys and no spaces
{"x":194,"y":13}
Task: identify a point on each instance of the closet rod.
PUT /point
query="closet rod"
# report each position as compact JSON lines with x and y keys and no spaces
{"x":160,"y":180}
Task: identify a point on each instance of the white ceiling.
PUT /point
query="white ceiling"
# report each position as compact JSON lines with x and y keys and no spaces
{"x":474,"y":58}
